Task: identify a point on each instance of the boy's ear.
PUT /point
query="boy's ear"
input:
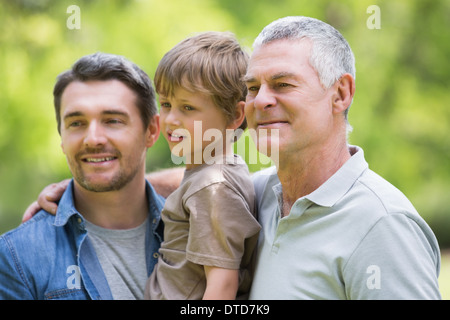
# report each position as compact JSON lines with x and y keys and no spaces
{"x":239,"y":116}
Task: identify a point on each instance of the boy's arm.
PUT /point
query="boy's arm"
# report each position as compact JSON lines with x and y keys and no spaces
{"x":221,"y":284}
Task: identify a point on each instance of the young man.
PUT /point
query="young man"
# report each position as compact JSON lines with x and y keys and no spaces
{"x":104,"y":239}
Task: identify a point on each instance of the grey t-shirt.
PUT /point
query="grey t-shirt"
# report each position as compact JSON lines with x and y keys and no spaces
{"x":122,"y":256}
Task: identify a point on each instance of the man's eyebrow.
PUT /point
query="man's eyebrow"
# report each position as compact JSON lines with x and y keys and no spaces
{"x":105,"y":112}
{"x":277,"y":76}
{"x":116,"y":112}
{"x":283,"y":75}
{"x":248,"y":78}
{"x":73,"y":114}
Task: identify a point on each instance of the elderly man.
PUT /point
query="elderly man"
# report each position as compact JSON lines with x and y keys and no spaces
{"x":332,"y":228}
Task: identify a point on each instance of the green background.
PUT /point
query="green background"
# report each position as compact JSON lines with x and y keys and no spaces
{"x":400,"y":113}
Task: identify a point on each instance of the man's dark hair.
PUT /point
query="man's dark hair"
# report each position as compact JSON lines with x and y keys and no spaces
{"x":103,"y":67}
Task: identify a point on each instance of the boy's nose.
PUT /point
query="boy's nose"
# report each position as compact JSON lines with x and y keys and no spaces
{"x":171,"y":118}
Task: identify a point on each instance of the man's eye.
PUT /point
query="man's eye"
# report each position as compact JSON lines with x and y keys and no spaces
{"x":74,"y":124}
{"x":114,"y":121}
{"x":252,"y":89}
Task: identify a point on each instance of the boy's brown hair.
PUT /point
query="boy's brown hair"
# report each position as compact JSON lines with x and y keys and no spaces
{"x":212,"y":63}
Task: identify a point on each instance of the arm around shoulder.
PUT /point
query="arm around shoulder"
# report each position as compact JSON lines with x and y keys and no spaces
{"x":166,"y":181}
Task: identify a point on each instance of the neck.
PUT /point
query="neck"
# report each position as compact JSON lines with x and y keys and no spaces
{"x":122,"y":209}
{"x":303,"y":173}
{"x":214,"y":153}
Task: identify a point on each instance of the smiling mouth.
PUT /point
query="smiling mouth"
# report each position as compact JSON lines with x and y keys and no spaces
{"x":174,"y":137}
{"x":97,"y":160}
{"x":270,"y":124}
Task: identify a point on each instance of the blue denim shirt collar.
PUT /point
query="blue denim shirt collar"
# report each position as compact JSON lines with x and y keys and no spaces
{"x":66,"y":206}
{"x":59,"y":262}
{"x":87,"y":256}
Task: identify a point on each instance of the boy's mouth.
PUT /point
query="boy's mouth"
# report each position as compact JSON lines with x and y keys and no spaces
{"x":173,"y":137}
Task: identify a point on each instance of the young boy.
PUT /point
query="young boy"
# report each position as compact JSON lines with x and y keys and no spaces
{"x":210,"y":225}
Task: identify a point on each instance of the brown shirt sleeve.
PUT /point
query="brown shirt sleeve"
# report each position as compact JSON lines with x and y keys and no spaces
{"x":220,"y":222}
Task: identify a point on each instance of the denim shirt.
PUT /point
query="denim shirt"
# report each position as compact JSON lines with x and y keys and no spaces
{"x":51,"y":257}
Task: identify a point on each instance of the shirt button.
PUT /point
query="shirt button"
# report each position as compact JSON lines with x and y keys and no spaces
{"x":156,"y":255}
{"x":79,"y":220}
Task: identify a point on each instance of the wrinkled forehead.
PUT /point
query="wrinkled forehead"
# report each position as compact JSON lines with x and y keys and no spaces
{"x":279,"y":57}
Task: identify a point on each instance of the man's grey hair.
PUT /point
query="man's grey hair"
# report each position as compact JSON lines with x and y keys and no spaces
{"x":331,"y":55}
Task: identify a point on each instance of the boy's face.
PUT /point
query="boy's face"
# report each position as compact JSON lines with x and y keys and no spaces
{"x":188,"y":120}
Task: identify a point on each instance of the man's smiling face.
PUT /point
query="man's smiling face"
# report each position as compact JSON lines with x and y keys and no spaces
{"x":285,"y":93}
{"x":102,"y":134}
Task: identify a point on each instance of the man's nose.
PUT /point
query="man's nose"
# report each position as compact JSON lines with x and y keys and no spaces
{"x":264,"y":98}
{"x":95,"y":135}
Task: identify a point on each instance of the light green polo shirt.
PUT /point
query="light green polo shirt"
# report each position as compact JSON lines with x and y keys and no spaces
{"x":355,"y":237}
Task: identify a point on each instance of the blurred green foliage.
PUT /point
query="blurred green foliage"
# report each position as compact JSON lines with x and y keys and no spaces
{"x":400,"y":114}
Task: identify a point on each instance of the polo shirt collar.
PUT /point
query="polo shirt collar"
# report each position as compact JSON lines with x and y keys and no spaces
{"x":330,"y":192}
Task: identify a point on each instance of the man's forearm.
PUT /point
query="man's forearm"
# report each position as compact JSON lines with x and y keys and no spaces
{"x":166,"y":181}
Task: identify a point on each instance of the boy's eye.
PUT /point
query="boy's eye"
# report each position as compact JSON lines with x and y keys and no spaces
{"x":165,"y":105}
{"x":188,"y":108}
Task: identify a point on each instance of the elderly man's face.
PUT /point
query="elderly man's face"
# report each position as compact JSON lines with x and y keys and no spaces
{"x":285,"y":93}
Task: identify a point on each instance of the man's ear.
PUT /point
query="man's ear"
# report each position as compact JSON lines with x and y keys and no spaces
{"x":239,"y":116}
{"x":344,"y":92}
{"x":153,"y":130}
